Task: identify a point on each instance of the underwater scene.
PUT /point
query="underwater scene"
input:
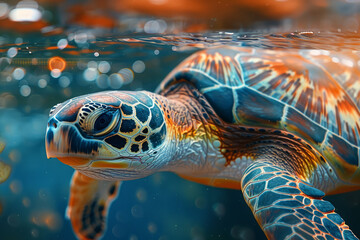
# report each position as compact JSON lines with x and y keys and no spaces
{"x":51,"y":51}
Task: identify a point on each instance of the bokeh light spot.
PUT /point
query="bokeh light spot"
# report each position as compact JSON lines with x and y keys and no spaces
{"x":25,"y":90}
{"x":26,"y":202}
{"x":12,"y":52}
{"x":62,"y":43}
{"x":90,"y":74}
{"x":25,"y":11}
{"x":102,"y":81}
{"x":155,"y":26}
{"x":4,"y":9}
{"x":104,"y":67}
{"x":57,"y":63}
{"x":42,"y":83}
{"x":18,"y":73}
{"x":116,"y":81}
{"x":5,"y":170}
{"x":141,"y":195}
{"x":55,"y":73}
{"x":127,"y":74}
{"x":138,"y":66}
{"x":16,"y":186}
{"x":64,"y":81}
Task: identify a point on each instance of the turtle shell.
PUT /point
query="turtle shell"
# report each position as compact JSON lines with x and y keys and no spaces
{"x":313,"y":94}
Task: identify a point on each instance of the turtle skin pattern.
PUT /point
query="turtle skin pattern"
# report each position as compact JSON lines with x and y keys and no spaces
{"x":289,"y":208}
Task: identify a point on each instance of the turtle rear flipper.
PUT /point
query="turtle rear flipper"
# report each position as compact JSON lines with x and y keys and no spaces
{"x":89,"y":203}
{"x":286,"y":207}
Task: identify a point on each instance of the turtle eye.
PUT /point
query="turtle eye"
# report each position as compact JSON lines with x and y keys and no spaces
{"x":103,"y":121}
{"x":98,"y":119}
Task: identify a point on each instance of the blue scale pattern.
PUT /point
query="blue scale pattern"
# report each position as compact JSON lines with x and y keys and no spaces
{"x":285,"y":212}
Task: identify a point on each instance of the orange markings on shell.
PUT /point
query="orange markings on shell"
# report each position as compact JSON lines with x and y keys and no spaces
{"x":73,"y":107}
{"x":124,"y":97}
{"x":104,"y":98}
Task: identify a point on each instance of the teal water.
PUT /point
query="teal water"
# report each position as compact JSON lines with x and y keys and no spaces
{"x":163,"y":206}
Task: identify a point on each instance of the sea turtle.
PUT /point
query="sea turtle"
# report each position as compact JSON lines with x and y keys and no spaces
{"x":282,"y":126}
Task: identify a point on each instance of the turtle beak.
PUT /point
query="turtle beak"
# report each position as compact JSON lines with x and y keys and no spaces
{"x":65,"y":143}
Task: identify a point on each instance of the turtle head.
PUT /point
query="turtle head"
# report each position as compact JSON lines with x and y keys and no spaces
{"x":109,"y":135}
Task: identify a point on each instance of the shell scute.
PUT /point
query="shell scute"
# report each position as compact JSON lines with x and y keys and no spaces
{"x":297,"y":122}
{"x":257,"y":109}
{"x":222,"y":101}
{"x":343,"y":150}
{"x":298,"y":80}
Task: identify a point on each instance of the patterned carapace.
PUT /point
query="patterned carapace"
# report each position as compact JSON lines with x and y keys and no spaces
{"x":282,"y":126}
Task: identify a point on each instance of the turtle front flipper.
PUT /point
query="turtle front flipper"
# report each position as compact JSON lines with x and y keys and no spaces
{"x":287,"y":207}
{"x":88,"y":206}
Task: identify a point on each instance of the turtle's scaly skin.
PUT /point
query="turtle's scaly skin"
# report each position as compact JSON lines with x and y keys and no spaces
{"x":276,"y":124}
